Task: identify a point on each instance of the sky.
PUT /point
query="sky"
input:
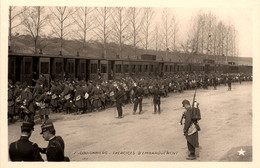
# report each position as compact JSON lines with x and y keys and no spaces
{"x":240,"y":13}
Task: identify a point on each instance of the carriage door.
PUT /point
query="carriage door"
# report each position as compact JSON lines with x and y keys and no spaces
{"x":44,"y":68}
{"x":58,"y":68}
{"x":70,"y":68}
{"x":26,"y":73}
{"x":161,"y":65}
{"x":81,"y":70}
{"x":104,"y":69}
{"x":93,"y":69}
{"x":12,"y":69}
{"x":110,"y":69}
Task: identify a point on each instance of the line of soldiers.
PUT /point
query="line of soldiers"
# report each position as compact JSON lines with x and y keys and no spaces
{"x":72,"y":96}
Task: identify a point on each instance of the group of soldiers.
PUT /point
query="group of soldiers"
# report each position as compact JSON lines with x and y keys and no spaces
{"x":78,"y":97}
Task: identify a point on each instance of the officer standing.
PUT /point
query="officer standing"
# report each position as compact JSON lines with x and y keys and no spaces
{"x":119,"y":96}
{"x":23,"y":149}
{"x":190,"y":131}
{"x":10,"y":102}
{"x":138,"y":98}
{"x":56,"y":146}
{"x":229,"y":83}
{"x":157,"y":99}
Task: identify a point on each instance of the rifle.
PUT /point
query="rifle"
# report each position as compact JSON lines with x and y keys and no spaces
{"x":194,"y":98}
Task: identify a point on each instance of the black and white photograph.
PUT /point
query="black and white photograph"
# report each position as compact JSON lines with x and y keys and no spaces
{"x":129,"y":84}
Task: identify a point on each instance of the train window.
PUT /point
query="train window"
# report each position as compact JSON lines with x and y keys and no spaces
{"x":44,"y":67}
{"x":58,"y":67}
{"x":93,"y":68}
{"x":103,"y":68}
{"x":126,"y":68}
{"x":133,"y":68}
{"x":118,"y":68}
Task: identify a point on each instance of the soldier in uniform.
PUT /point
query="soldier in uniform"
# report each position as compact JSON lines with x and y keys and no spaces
{"x":43,"y":101}
{"x":119,"y":96}
{"x":56,"y":146}
{"x":55,"y":97}
{"x":157,"y":99}
{"x":10,"y":101}
{"x":27,"y":99}
{"x":79,"y":101}
{"x":229,"y":83}
{"x":67,"y":93}
{"x":17,"y":97}
{"x":190,"y":131}
{"x":24,"y":149}
{"x":138,"y":98}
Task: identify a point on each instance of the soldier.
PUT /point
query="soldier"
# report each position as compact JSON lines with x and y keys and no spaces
{"x":138,"y":98}
{"x":67,"y":93}
{"x":23,"y":149}
{"x":190,"y":131}
{"x":215,"y":82}
{"x":43,"y":101}
{"x":229,"y":83}
{"x":157,"y":99}
{"x":55,"y":91}
{"x":56,"y":146}
{"x":79,"y":101}
{"x":10,"y":101}
{"x":119,"y":96}
{"x":27,"y":99}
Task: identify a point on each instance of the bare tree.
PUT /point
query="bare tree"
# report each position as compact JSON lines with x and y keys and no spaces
{"x":119,"y":27}
{"x":157,"y":37}
{"x":210,"y":23}
{"x":221,"y":38}
{"x":195,"y":34}
{"x":34,"y":20}
{"x":148,"y":15}
{"x":175,"y":28}
{"x":14,"y":13}
{"x":169,"y":30}
{"x":61,"y":22}
{"x":135,"y":27}
{"x":166,"y":29}
{"x":85,"y":23}
{"x":103,"y":29}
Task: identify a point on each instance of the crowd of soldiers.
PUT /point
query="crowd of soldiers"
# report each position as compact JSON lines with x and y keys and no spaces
{"x":78,"y":97}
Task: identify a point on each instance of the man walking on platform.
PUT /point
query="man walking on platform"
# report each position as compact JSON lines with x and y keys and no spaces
{"x":157,"y":99}
{"x":119,"y":96}
{"x":138,"y":98}
{"x":190,"y":131}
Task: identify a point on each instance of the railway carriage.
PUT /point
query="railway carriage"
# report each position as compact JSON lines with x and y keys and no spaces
{"x":24,"y":67}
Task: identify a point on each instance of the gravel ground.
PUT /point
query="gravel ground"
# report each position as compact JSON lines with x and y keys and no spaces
{"x":226,"y":126}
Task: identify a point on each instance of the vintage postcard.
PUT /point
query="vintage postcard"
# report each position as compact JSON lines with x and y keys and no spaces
{"x":129,"y":84}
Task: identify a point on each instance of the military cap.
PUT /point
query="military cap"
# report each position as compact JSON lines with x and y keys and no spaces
{"x":27,"y":125}
{"x":47,"y":126}
{"x":185,"y":102}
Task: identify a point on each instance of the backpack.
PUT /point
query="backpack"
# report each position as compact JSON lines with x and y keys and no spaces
{"x":196,"y":115}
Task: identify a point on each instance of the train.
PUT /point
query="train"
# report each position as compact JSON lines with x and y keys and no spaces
{"x":25,"y":67}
